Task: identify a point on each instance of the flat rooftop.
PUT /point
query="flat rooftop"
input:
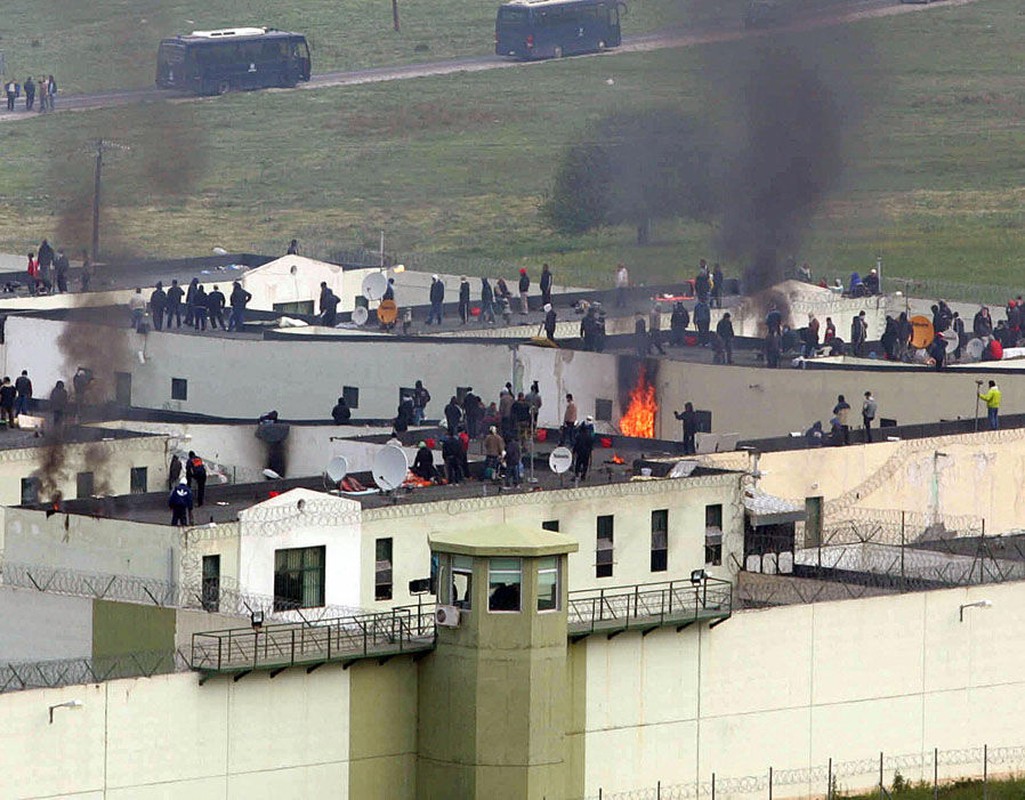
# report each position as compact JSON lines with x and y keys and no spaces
{"x":24,"y":438}
{"x":223,"y":502}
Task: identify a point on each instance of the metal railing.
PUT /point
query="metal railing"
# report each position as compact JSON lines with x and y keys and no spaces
{"x":648,"y":605}
{"x":400,"y":630}
{"x":71,"y":671}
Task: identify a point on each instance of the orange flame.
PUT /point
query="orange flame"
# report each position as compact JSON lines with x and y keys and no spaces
{"x":617,"y":459}
{"x":639,"y":419}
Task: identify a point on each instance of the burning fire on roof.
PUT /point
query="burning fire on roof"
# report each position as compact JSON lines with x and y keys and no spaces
{"x":639,"y":418}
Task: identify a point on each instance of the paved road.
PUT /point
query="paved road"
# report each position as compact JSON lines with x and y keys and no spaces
{"x":822,"y":13}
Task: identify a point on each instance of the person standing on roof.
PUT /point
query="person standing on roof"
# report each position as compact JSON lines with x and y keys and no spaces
{"x":7,"y":395}
{"x":524,"y":291}
{"x":174,"y":305}
{"x":583,"y":445}
{"x":421,"y":397}
{"x":200,"y":307}
{"x":437,"y":298}
{"x":195,"y":471}
{"x":215,"y":308}
{"x":841,"y":413}
{"x":550,"y":322}
{"x":992,"y":397}
{"x":190,"y":303}
{"x":622,"y":284}
{"x":689,"y":418}
{"x":569,"y":423}
{"x":23,"y":387}
{"x":293,"y":248}
{"x":546,"y":285}
{"x":868,"y":413}
{"x":137,"y":305}
{"x":464,"y":300}
{"x":157,"y":304}
{"x":487,"y":303}
{"x":239,"y":299}
{"x":58,"y":404}
{"x":329,"y":308}
{"x":180,"y":503}
{"x":725,"y":331}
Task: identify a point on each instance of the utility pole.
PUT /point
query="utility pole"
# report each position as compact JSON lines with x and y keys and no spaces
{"x":395,"y":14}
{"x":97,"y":178}
{"x":101,"y":145}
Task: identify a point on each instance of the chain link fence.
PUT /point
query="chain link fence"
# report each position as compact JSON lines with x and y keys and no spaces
{"x":883,"y":774}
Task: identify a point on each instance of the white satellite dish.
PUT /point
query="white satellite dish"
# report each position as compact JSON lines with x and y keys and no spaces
{"x":682,"y":469}
{"x":974,"y":349}
{"x":271,"y":475}
{"x":337,"y":468}
{"x":374,"y":286}
{"x":951,"y":339}
{"x":360,"y":315}
{"x":390,"y":467}
{"x":560,"y":460}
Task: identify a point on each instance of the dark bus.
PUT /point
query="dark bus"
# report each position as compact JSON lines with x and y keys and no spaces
{"x":556,"y":28}
{"x":217,"y":62}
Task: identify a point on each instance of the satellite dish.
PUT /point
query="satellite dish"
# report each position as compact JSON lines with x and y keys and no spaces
{"x":390,"y":467}
{"x":271,"y":475}
{"x":974,"y":349}
{"x":387,"y":312}
{"x":922,"y":332}
{"x":374,"y":286}
{"x":560,"y":460}
{"x":337,"y":468}
{"x":360,"y":315}
{"x":682,"y":469}
{"x":950,"y":337}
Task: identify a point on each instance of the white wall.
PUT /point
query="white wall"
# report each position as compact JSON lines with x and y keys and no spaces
{"x":792,"y":687}
{"x":576,"y":511}
{"x":167,"y":737}
{"x":38,"y":626}
{"x":90,"y":544}
{"x":279,"y":523}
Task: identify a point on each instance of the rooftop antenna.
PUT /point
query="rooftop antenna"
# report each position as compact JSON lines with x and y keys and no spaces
{"x":360,"y":316}
{"x":336,"y":470}
{"x":559,"y":461}
{"x":390,"y":468}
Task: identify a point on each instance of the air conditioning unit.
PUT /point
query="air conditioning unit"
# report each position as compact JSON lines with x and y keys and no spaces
{"x":447,"y":616}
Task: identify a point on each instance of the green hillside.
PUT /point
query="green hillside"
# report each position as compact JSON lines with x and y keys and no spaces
{"x":454,"y":167}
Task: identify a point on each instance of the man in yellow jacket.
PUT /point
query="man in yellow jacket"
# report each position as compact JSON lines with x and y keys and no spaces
{"x":992,"y":398}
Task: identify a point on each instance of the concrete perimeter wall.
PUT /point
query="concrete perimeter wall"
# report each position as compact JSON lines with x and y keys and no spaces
{"x":795,"y":686}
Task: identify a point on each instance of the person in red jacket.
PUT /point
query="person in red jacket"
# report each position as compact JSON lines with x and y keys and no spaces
{"x":33,"y":273}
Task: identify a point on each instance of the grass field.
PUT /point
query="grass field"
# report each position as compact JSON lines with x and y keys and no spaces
{"x":1011,"y":789}
{"x":455,"y":167}
{"x":109,"y":44}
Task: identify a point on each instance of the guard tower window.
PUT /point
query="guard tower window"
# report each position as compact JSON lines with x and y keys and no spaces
{"x":713,"y":535}
{"x":179,"y":389}
{"x":299,"y":578}
{"x":383,"y":570}
{"x":462,"y":582}
{"x":549,"y":589}
{"x":351,"y":396}
{"x":504,"y":578}
{"x":550,"y":525}
{"x":603,"y":410}
{"x":660,"y":540}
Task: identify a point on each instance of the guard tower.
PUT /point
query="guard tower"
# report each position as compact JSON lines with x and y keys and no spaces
{"x":494,"y":695}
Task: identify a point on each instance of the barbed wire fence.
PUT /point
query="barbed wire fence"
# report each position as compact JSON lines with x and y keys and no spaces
{"x":223,"y":598}
{"x":885,"y":774}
